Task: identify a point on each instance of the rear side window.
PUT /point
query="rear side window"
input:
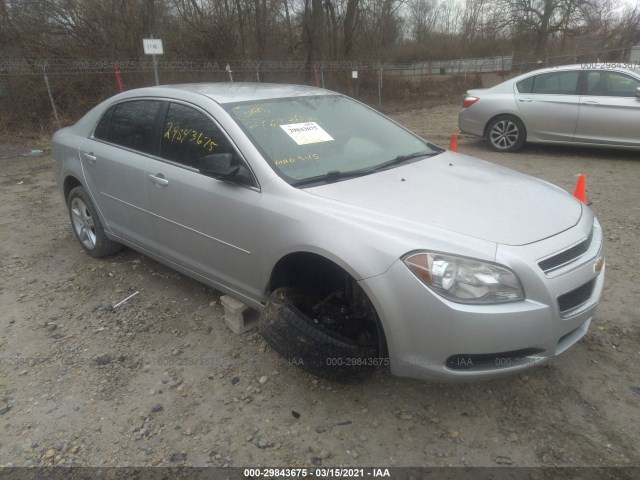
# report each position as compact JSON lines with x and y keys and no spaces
{"x":554,"y":83}
{"x":130,"y":124}
{"x":102,"y":130}
{"x":188,"y":135}
{"x":526,"y":85}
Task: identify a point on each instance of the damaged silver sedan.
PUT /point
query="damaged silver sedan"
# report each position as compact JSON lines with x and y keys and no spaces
{"x":362,"y":245}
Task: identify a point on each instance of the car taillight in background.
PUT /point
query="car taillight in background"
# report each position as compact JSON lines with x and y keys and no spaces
{"x":468,"y":101}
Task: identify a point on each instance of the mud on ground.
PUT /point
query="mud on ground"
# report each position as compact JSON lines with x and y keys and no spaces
{"x":162,"y":381}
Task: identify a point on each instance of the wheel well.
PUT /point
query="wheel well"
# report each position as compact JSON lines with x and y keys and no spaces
{"x":319,"y":276}
{"x":486,"y":127}
{"x":309,"y":272}
{"x":69,"y":184}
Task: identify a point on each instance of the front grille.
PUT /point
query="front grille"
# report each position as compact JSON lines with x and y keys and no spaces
{"x":566,"y":256}
{"x":573,"y":299}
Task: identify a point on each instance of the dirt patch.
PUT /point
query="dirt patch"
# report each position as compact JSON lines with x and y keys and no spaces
{"x":162,"y":381}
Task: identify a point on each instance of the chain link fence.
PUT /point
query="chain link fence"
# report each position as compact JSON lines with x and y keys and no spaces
{"x":38,"y":96}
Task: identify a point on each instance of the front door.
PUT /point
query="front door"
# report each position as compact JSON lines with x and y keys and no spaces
{"x":609,"y":110}
{"x":209,"y":226}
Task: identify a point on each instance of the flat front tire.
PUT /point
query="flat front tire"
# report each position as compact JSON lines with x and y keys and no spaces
{"x":312,"y":347}
{"x":506,"y":133}
{"x":87,"y":225}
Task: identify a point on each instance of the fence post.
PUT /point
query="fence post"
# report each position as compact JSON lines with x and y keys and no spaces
{"x":53,"y":104}
{"x":322,"y":74}
{"x":154,"y":60}
{"x":380,"y":85}
{"x":258,"y":72}
{"x":118,"y":77}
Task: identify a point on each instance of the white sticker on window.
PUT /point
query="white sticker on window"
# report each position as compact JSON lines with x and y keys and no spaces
{"x":306,"y":133}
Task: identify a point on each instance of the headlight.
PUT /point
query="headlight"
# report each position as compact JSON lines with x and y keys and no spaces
{"x":465,"y":280}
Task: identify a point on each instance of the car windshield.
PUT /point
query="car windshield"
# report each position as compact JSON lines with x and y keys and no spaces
{"x":325,"y":138}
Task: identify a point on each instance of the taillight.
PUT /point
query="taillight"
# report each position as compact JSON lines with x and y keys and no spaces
{"x":468,"y":101}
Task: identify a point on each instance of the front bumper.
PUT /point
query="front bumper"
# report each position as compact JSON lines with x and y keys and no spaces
{"x":431,"y":338}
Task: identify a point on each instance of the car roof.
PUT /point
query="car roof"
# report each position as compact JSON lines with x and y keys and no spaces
{"x":505,"y":86}
{"x":228,"y":92}
{"x":619,"y":67}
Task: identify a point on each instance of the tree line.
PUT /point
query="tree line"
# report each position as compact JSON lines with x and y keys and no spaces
{"x":315,"y":30}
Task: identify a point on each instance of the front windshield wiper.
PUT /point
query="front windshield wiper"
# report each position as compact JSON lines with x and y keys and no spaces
{"x":334,"y":176}
{"x":405,"y":158}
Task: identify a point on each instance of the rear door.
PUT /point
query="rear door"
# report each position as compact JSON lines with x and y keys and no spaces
{"x":114,"y":160}
{"x":609,"y":109}
{"x":549,"y":104}
{"x":211,"y":227}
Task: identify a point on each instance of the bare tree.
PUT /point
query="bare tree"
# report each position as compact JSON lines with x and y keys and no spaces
{"x":473,"y":11}
{"x":313,"y":21}
{"x":312,"y":29}
{"x":424,"y":16}
{"x":543,"y":18}
{"x":629,"y":30}
{"x":349,"y":26}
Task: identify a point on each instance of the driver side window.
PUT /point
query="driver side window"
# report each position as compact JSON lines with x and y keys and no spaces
{"x":611,"y":84}
{"x":188,"y":135}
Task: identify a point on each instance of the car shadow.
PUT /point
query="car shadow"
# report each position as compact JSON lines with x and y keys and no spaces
{"x":594,"y":152}
{"x":530,"y":149}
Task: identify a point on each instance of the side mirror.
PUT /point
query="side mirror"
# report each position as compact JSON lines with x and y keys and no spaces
{"x":218,"y":165}
{"x":638,"y":93}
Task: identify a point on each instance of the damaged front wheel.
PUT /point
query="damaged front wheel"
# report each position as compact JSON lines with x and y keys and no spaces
{"x":321,"y":337}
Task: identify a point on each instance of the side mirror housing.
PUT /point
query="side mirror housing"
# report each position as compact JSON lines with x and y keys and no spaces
{"x":219,"y":166}
{"x":638,"y":93}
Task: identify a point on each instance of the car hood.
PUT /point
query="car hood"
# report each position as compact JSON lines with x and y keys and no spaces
{"x":464,"y":195}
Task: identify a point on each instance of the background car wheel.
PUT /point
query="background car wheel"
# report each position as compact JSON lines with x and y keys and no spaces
{"x":306,"y":343}
{"x":87,"y":226}
{"x":506,"y":133}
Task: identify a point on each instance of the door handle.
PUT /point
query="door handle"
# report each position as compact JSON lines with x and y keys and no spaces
{"x":591,"y":102}
{"x":528,"y":100}
{"x":90,"y":157}
{"x":159,"y":180}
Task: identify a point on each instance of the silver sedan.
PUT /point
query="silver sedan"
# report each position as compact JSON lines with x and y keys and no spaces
{"x":361,"y":244}
{"x":590,"y":104}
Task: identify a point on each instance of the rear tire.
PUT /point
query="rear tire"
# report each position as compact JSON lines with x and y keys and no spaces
{"x":312,"y":347}
{"x":87,"y":225}
{"x":506,"y":133}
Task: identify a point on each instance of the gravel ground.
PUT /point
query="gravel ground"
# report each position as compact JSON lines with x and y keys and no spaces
{"x":162,"y":381}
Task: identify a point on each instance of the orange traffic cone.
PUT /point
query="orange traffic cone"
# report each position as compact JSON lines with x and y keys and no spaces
{"x":453,"y":143}
{"x":581,"y":189}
